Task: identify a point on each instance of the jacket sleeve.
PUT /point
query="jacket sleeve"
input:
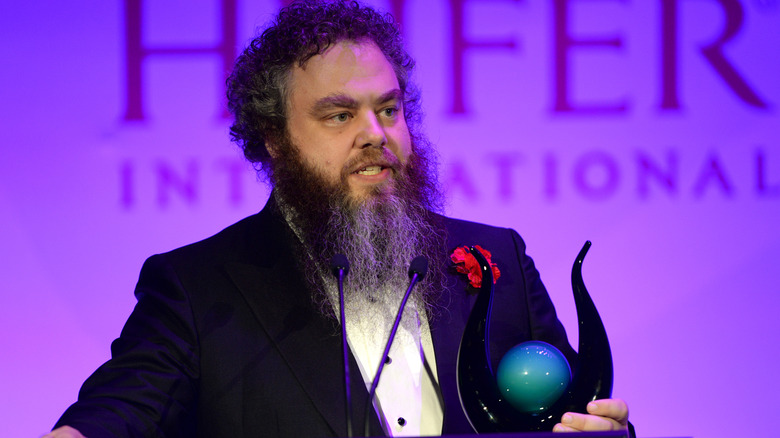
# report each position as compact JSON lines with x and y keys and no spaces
{"x":149,"y":386}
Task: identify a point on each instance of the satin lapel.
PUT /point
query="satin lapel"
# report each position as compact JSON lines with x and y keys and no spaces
{"x":446,"y":331}
{"x":278,"y":295}
{"x":302,"y":337}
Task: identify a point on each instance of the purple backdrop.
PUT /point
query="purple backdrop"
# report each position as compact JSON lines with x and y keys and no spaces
{"x":648,"y":127}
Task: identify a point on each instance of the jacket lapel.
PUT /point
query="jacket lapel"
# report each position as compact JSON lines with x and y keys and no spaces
{"x":446,"y":331}
{"x":279,"y":296}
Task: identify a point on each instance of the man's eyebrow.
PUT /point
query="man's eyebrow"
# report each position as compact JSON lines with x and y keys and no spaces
{"x":394,"y":94}
{"x":333,"y":101}
{"x":329,"y":102}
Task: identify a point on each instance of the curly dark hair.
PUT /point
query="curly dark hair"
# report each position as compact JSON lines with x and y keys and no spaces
{"x":257,"y":88}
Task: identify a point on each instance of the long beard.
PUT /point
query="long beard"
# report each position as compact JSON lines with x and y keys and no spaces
{"x":379,"y":233}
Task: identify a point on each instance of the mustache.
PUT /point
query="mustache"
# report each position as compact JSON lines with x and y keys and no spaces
{"x":371,"y":156}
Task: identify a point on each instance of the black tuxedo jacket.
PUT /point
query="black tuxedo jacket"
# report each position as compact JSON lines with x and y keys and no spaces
{"x":224,"y":340}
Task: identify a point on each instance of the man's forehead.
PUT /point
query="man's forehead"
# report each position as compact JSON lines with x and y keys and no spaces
{"x":341,"y":50}
{"x":358,"y":66}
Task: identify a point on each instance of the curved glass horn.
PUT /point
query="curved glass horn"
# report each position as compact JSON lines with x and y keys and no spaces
{"x":480,"y":397}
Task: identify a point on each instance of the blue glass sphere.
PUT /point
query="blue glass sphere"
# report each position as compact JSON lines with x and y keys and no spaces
{"x":532,"y":376}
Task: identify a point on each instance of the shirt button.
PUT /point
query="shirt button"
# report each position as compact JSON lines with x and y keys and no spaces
{"x":401,"y":421}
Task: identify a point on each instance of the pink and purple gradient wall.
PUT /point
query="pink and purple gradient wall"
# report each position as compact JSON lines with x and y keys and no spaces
{"x":647,"y":126}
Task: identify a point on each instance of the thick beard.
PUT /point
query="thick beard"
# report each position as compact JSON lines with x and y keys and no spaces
{"x":380,"y":232}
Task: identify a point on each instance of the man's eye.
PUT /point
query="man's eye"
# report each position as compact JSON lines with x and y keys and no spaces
{"x":390,"y":112}
{"x":341,"y":117}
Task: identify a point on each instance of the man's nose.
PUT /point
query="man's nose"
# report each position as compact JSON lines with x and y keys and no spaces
{"x":372,"y":132}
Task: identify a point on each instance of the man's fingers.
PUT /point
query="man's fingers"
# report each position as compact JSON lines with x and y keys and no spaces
{"x":561,"y":428}
{"x":585,"y":422}
{"x":607,"y":414}
{"x":614,"y":408}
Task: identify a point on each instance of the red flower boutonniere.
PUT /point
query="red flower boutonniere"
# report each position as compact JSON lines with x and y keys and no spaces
{"x":466,"y":263}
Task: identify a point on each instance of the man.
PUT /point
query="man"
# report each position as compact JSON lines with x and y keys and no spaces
{"x":237,"y":335}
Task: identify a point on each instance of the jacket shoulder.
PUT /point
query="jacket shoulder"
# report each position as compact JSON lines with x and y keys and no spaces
{"x":462,"y":232}
{"x":255,"y":239}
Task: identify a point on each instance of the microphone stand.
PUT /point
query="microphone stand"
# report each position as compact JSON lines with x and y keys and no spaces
{"x":340,"y":268}
{"x":417,"y":270}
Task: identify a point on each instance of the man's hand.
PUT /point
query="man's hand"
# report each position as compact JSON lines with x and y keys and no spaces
{"x":64,"y":432}
{"x":607,"y":414}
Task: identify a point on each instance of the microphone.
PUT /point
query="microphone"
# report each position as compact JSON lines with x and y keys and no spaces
{"x":340,"y":263}
{"x":417,"y":270}
{"x":419,"y":267}
{"x":339,"y":266}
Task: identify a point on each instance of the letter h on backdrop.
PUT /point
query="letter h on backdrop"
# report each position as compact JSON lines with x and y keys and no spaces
{"x":136,"y":52}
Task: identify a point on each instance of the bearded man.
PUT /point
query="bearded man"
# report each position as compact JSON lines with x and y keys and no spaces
{"x":238,"y":335}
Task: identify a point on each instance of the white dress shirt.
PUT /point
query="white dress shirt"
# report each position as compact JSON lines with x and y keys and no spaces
{"x":406,"y":399}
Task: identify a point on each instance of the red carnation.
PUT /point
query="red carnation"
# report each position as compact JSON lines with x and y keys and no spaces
{"x":466,"y":263}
